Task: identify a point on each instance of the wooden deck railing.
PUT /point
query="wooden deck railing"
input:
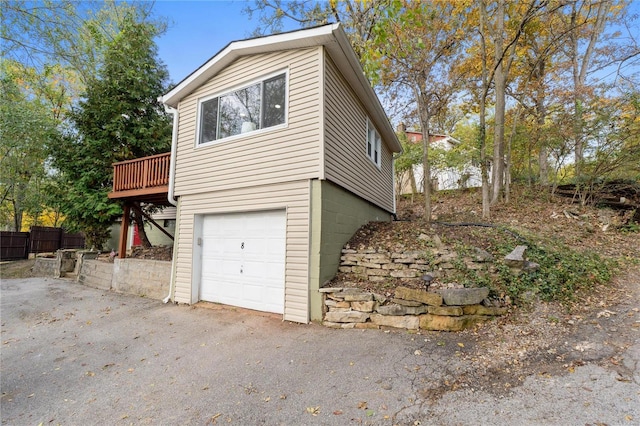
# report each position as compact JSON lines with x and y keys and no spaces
{"x":141,"y":173}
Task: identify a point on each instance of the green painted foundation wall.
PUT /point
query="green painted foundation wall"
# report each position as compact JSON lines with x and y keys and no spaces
{"x":336,"y":215}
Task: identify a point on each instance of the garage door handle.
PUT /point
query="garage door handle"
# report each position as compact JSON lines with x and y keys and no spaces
{"x":242,"y":245}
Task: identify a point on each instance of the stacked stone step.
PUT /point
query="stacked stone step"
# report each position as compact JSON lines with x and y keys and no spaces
{"x":446,"y":310}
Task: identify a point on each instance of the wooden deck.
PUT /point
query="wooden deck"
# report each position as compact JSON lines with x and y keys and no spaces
{"x":142,"y":179}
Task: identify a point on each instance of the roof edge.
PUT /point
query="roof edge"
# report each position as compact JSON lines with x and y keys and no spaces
{"x":331,"y":36}
{"x":238,"y":48}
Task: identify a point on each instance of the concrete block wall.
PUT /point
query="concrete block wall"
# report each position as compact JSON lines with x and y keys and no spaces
{"x":45,"y":267}
{"x":96,"y":274}
{"x":148,"y":278}
{"x":336,"y":215}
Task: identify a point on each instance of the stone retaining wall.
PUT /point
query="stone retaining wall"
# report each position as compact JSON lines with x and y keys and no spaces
{"x":381,"y":265}
{"x":148,"y":278}
{"x":410,"y":308}
{"x":443,"y":309}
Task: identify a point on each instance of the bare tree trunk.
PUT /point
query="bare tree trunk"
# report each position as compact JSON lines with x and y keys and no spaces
{"x":500,"y":106}
{"x":580,"y":67}
{"x":541,"y":114}
{"x":18,"y":205}
{"x":423,"y":113}
{"x":482,"y":126}
{"x":507,"y":170}
{"x":426,"y":167}
{"x":412,"y":180}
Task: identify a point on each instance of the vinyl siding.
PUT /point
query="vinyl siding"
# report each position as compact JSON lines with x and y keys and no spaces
{"x":269,"y":156}
{"x":292,"y":196}
{"x":346,"y":160}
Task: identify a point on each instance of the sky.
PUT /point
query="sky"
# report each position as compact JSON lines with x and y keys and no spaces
{"x":198,"y":30}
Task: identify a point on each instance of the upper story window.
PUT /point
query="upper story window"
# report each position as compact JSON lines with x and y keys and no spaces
{"x":254,"y":107}
{"x":374,"y":143}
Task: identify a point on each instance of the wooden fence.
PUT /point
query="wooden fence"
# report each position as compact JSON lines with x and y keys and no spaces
{"x":14,"y":245}
{"x":41,"y":239}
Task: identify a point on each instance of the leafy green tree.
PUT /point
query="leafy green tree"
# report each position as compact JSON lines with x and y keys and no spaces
{"x":411,"y":52}
{"x":66,"y":33}
{"x":26,"y":128}
{"x":404,"y":162}
{"x":119,"y":118}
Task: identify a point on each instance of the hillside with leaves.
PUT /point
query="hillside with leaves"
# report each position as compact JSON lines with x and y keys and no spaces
{"x":579,"y":248}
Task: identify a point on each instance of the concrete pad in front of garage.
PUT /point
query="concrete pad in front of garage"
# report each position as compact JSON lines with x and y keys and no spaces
{"x":78,"y":355}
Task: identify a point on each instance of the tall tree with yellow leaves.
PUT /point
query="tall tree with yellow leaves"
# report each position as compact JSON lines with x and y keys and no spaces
{"x":411,"y":53}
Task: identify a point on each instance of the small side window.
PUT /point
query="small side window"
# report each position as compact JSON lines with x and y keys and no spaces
{"x":374,"y":143}
{"x":209,"y":120}
{"x":274,"y":99}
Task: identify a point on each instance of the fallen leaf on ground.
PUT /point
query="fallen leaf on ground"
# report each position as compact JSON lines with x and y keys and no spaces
{"x":362,"y":405}
{"x":314,"y":411}
{"x":213,"y":419}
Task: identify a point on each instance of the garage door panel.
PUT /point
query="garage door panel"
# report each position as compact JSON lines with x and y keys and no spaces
{"x":243,"y":260}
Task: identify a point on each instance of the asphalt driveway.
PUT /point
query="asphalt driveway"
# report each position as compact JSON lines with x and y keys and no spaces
{"x":74,"y":355}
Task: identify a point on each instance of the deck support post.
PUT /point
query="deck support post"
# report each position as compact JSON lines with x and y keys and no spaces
{"x":124,"y":232}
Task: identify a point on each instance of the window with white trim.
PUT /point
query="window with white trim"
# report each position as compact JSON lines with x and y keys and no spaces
{"x":258,"y":106}
{"x":374,"y":143}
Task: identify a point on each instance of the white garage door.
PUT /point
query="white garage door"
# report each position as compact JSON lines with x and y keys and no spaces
{"x":243,"y":260}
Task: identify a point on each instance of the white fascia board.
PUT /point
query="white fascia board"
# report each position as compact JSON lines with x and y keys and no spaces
{"x":344,"y":56}
{"x":291,"y":40}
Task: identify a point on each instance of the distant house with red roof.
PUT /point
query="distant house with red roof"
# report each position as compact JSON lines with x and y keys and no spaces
{"x":442,"y":178}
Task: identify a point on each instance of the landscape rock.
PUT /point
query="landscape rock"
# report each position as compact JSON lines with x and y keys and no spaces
{"x":517,"y":257}
{"x":366,"y":325}
{"x":403,"y":302}
{"x":358,"y":297}
{"x":483,"y":310}
{"x":463,"y":296}
{"x":402,"y":310}
{"x":379,"y":298}
{"x":448,"y":323}
{"x":432,"y":299}
{"x":403,"y":273}
{"x":482,"y":255}
{"x":530,"y":266}
{"x":350,"y":316}
{"x":363,"y":306}
{"x":392,"y":310}
{"x":450,"y":311}
{"x":405,"y":321}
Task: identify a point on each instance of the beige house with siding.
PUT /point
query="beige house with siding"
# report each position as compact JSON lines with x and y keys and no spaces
{"x":281,"y":151}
